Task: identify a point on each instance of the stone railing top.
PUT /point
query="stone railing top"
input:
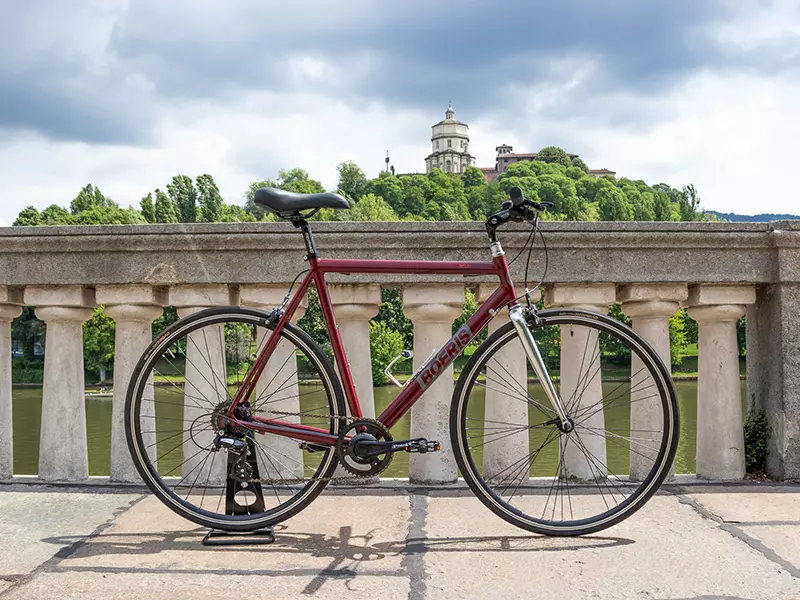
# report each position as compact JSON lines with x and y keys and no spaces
{"x":235,"y":253}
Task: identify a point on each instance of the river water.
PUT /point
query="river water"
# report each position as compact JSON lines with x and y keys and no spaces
{"x":28,"y":408}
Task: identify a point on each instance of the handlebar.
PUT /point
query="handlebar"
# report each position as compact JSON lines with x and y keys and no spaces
{"x":518,"y":200}
{"x":518,"y":208}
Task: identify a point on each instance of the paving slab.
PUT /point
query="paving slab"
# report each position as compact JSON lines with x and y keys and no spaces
{"x":189,"y":586}
{"x":35,"y":526}
{"x":665,"y":551}
{"x":696,"y":542}
{"x":765,"y":518}
{"x":341,"y":545}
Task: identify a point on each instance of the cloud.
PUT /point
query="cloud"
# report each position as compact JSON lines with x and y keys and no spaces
{"x":127,"y":94}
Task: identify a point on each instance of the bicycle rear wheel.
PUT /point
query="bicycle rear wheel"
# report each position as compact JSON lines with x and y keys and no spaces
{"x":518,"y":461}
{"x":177,"y":399}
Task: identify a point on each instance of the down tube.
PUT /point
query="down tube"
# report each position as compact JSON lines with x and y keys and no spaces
{"x":439,"y":363}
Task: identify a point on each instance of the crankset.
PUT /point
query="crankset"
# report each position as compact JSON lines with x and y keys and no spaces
{"x":370,"y":447}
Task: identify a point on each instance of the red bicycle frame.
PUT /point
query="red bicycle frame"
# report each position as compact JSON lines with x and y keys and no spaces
{"x":504,"y":295}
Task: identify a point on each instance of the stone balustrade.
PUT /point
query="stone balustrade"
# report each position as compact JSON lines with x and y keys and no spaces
{"x":720,"y":271}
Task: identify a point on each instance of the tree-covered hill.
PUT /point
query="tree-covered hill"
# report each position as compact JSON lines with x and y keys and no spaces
{"x":760,"y":218}
{"x":436,"y":196}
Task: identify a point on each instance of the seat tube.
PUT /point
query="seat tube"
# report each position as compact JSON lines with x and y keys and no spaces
{"x":336,"y":340}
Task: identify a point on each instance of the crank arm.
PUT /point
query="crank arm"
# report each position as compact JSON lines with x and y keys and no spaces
{"x":368,"y":449}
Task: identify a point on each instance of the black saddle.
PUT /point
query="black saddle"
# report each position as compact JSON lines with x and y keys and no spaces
{"x":286,"y":203}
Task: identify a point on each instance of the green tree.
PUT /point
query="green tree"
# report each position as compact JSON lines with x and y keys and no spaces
{"x":391,"y":313}
{"x":416,"y":189}
{"x":164,"y":209}
{"x":612,"y":348}
{"x":183,"y":195}
{"x":677,"y":338}
{"x":28,"y":217}
{"x":89,"y":197}
{"x":212,"y":209}
{"x":108,"y":215}
{"x":352,"y":181}
{"x":574,"y":209}
{"x":613,"y":205}
{"x":28,"y":330}
{"x":689,"y":203}
{"x":148,"y":208}
{"x":662,"y":207}
{"x":167,"y":318}
{"x":384,"y":344}
{"x":98,"y":343}
{"x":313,"y":323}
{"x":234,"y":213}
{"x":55,"y":215}
{"x":553,"y":154}
{"x":298,"y":180}
{"x":370,"y":208}
{"x":643,"y":205}
{"x":388,"y":187}
{"x":577,"y":162}
{"x":473,"y":177}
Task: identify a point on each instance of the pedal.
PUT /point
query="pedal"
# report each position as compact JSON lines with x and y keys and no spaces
{"x":309,"y":447}
{"x":423,"y":446}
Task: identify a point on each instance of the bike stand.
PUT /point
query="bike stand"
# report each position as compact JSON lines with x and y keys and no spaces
{"x":258,"y":537}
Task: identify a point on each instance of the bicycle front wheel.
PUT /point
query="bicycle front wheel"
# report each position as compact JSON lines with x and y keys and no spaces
{"x":176,"y":405}
{"x":517,"y":459}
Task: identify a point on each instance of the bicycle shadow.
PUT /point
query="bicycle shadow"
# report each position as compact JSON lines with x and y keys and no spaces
{"x":347,"y":556}
{"x":343,"y":547}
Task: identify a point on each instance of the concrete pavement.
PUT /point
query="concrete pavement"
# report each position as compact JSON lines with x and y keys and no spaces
{"x":692,"y":541}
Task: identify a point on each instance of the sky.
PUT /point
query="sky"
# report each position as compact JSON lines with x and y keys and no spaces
{"x":126,"y":94}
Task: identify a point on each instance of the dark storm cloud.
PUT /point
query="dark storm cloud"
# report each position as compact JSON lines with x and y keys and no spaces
{"x":424,"y":53}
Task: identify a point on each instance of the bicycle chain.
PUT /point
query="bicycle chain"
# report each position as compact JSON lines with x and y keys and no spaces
{"x":352,"y":479}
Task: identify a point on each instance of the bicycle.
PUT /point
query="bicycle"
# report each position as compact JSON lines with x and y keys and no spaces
{"x":578,"y":454}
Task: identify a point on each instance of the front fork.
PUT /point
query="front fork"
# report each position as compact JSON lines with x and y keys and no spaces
{"x":517,"y":316}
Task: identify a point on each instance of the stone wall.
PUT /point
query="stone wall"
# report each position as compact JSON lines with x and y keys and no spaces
{"x":718,"y":270}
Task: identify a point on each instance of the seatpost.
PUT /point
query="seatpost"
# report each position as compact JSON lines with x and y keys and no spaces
{"x":308,"y":237}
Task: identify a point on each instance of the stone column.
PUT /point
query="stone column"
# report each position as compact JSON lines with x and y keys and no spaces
{"x":206,"y":378}
{"x":581,"y":384}
{"x":506,"y":392}
{"x":10,"y":308}
{"x":62,"y":445}
{"x":432,"y":309}
{"x":650,"y":307}
{"x":133,"y":308}
{"x":354,"y":305}
{"x":277,"y":389}
{"x":720,"y":440}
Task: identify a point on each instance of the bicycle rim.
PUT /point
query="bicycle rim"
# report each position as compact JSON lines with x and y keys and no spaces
{"x":523,"y":467}
{"x":181,"y":388}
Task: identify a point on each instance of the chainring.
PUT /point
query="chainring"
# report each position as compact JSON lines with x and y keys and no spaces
{"x":359,"y":467}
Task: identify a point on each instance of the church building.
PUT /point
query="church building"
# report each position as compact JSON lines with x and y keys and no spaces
{"x":449,"y":145}
{"x":450,"y":151}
